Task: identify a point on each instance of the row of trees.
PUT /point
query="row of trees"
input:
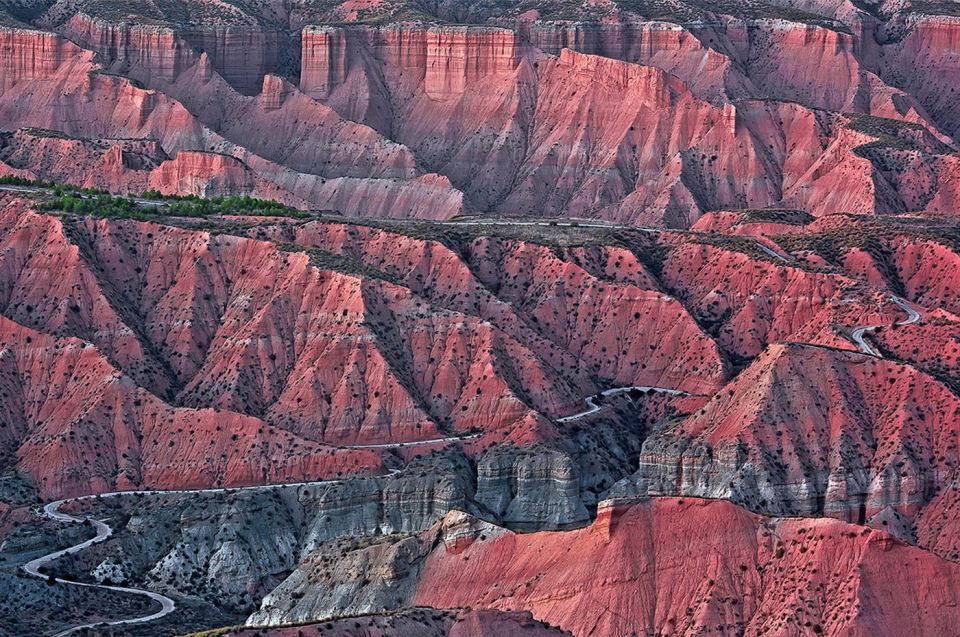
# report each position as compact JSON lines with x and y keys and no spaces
{"x":101,"y":204}
{"x":194,"y":206}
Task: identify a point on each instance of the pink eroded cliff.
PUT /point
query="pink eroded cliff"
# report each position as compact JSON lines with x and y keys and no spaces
{"x":873,"y":434}
{"x":687,"y":566}
{"x":447,"y":60}
{"x":718,"y":117}
{"x":920,"y":56}
{"x":29,"y":56}
{"x":80,"y":426}
{"x":242,"y":55}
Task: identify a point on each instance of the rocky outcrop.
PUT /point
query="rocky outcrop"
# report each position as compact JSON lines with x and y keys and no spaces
{"x":679,"y":551}
{"x":448,"y":60}
{"x":664,"y":45}
{"x":530,"y":488}
{"x":31,"y":56}
{"x":892,"y":450}
{"x":120,"y":164}
{"x":424,"y":622}
{"x":920,"y":56}
{"x":324,"y":60}
{"x":204,"y":175}
{"x":242,"y":55}
{"x":159,"y":50}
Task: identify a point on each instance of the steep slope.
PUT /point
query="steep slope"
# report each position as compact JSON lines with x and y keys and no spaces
{"x":748,"y":300}
{"x":77,"y":425}
{"x":430,"y":121}
{"x":813,"y":431}
{"x":422,"y":622}
{"x":681,"y":566}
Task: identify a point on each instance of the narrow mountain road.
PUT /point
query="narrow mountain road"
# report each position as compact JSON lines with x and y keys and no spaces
{"x":593,"y":407}
{"x":167,"y":605}
{"x":414,"y":443}
{"x":33,"y":567}
{"x":859,"y":335}
{"x":770,"y":252}
{"x":913,"y":316}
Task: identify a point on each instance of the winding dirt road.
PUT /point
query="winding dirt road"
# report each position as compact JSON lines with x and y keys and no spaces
{"x":414,"y":443}
{"x":593,"y":407}
{"x":103,"y":532}
{"x":167,"y":605}
{"x":858,"y":335}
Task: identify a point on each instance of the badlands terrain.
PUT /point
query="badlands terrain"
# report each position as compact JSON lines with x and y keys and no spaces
{"x":456,"y":318}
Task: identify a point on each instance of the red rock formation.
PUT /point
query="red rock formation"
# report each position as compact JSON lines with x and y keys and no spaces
{"x":121,"y":165}
{"x":749,"y":303}
{"x":31,"y":56}
{"x":932,"y":345}
{"x":920,"y":56}
{"x":158,"y":49}
{"x":203,"y":174}
{"x":236,"y":324}
{"x":513,"y":128}
{"x":870,"y":434}
{"x":929,"y":271}
{"x":587,"y":309}
{"x":420,"y":622}
{"x":661,"y":566}
{"x":664,"y":45}
{"x":686,"y":566}
{"x":241,"y":54}
{"x":79,"y":426}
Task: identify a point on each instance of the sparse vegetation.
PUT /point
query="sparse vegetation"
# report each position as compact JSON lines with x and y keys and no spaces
{"x":87,"y":201}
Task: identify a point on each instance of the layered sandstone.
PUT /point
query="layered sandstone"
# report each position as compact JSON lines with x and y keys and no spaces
{"x":426,"y":622}
{"x":875,"y":435}
{"x":241,"y":54}
{"x":29,"y":56}
{"x":786,"y":573}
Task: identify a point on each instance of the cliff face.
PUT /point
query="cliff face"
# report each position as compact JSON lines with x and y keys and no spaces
{"x":921,"y":57}
{"x":894,"y":450}
{"x":646,"y":547}
{"x":202,"y":174}
{"x":446,"y":59}
{"x":242,"y":55}
{"x":159,"y":50}
{"x":660,"y":44}
{"x":31,"y":56}
{"x":532,"y":489}
{"x":721,"y":113}
{"x":518,"y":113}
